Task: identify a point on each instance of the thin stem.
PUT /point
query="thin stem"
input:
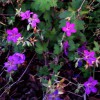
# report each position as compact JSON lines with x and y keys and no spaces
{"x":75,"y":94}
{"x":84,"y":96}
{"x":7,"y":14}
{"x":92,"y":2}
{"x":96,"y":5}
{"x":67,"y":80}
{"x":4,"y":85}
{"x":81,"y":6}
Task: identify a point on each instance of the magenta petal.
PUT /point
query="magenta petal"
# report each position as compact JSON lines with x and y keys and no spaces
{"x":73,"y":31}
{"x":86,"y":52}
{"x":37,"y":21}
{"x":68,"y":34}
{"x":95,"y":82}
{"x":64,"y":29}
{"x":72,"y":25}
{"x":85,"y":84}
{"x":90,"y":79}
{"x":92,"y":53}
{"x":33,"y":24}
{"x":67,"y":24}
{"x":15,"y":30}
{"x":9,"y":32}
{"x":94,"y":90}
{"x":35,"y":16}
{"x":87,"y":90}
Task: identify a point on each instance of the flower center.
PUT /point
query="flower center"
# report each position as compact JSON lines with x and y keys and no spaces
{"x":89,"y":84}
{"x":68,"y":28}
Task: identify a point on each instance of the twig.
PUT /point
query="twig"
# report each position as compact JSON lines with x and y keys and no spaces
{"x":92,"y":2}
{"x":75,"y":94}
{"x":81,"y":6}
{"x":67,"y":80}
{"x":1,"y":72}
{"x":7,"y":14}
{"x":5,"y":85}
{"x":84,"y":96}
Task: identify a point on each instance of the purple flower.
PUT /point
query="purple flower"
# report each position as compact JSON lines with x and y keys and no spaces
{"x":90,"y":85}
{"x":19,"y":58}
{"x":80,"y":63}
{"x":13,"y":35}
{"x":10,"y":64}
{"x":89,"y":57}
{"x":81,"y":49}
{"x":69,"y":28}
{"x":53,"y":96}
{"x":26,"y":15}
{"x":13,"y":61}
{"x":65,"y":46}
{"x":34,"y":20}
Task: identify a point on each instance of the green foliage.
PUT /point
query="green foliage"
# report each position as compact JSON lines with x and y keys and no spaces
{"x":43,"y":71}
{"x":57,"y":49}
{"x":40,"y":48}
{"x":86,"y":72}
{"x":26,"y":6}
{"x":55,"y":68}
{"x":18,"y":48}
{"x":11,"y":20}
{"x":79,"y":24}
{"x":65,"y":14}
{"x":72,"y":45}
{"x":97,"y":46}
{"x":75,"y":4}
{"x":43,"y":5}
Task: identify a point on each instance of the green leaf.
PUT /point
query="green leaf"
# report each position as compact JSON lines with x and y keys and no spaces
{"x":45,"y":46}
{"x":86,"y":72}
{"x":65,"y":14}
{"x":79,"y":24}
{"x":55,"y":68}
{"x":18,"y":48}
{"x":72,"y":45}
{"x":57,"y":49}
{"x":75,"y":4}
{"x":97,"y":46}
{"x":47,"y":16}
{"x":82,"y":37}
{"x":43,"y":71}
{"x":51,"y":34}
{"x":43,"y":5}
{"x":26,"y":6}
{"x":62,"y":23}
{"x":71,"y":56}
{"x":39,"y":48}
{"x":11,"y":20}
